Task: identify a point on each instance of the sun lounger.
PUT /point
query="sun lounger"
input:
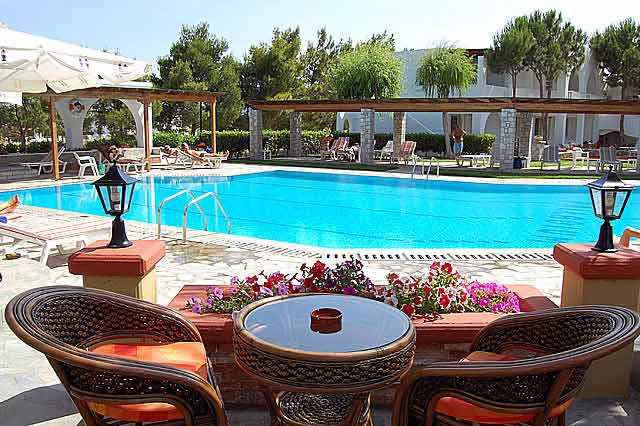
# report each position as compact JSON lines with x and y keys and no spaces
{"x":386,"y":150}
{"x":189,"y":160}
{"x":550,"y":155}
{"x":608,"y":158}
{"x":407,"y":152}
{"x":46,"y":164}
{"x":329,"y":149}
{"x":50,"y":237}
{"x":473,"y":159}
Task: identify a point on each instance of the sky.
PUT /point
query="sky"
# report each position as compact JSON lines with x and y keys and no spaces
{"x":145,"y":29}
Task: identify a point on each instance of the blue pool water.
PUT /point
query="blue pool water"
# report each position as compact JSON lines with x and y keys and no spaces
{"x":346,"y":211}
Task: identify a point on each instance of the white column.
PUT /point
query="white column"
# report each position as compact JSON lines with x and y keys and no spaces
{"x":72,"y":113}
{"x":481,"y":72}
{"x":559,"y":129}
{"x":580,"y":129}
{"x":137,"y":110}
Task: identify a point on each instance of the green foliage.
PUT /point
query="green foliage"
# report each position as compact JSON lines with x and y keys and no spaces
{"x":509,"y":50}
{"x":20,"y":123}
{"x":617,"y":50}
{"x":369,"y":71}
{"x":198,"y":61}
{"x":445,"y":70}
{"x":558,"y":47}
{"x":430,"y":142}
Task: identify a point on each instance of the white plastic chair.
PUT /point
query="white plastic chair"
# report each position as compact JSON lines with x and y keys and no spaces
{"x":86,"y":162}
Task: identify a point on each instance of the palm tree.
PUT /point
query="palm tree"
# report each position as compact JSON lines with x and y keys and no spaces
{"x":443,"y":71}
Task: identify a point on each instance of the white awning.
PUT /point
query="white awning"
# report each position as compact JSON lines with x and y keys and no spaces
{"x":30,"y":63}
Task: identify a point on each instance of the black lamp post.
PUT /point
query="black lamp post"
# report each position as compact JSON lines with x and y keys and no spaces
{"x":609,"y":196}
{"x":115,"y":190}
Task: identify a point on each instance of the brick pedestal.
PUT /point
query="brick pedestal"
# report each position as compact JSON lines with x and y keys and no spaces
{"x":595,"y":278}
{"x":129,"y":271}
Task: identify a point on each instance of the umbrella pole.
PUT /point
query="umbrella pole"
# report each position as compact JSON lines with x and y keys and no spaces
{"x":54,"y":138}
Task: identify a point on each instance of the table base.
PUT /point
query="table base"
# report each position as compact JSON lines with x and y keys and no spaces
{"x":295,"y":409}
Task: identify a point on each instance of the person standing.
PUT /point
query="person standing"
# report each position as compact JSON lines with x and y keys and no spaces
{"x":458,"y":140}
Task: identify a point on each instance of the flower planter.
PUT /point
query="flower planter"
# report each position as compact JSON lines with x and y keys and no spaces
{"x":446,"y":338}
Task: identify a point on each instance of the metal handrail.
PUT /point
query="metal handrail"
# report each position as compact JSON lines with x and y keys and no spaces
{"x":415,"y":164}
{"x":171,"y":197}
{"x":196,"y":202}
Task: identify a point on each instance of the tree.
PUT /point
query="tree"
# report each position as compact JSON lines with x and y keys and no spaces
{"x":558,"y":48}
{"x":273,"y":71}
{"x":442,"y":71}
{"x":199,"y":61}
{"x":316,"y":64}
{"x":371,"y":70}
{"x":19,"y":123}
{"x":509,"y":50}
{"x":617,"y":50}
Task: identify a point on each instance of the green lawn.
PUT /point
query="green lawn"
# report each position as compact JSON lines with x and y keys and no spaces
{"x":445,"y":171}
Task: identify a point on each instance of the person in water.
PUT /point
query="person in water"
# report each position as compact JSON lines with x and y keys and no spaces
{"x":458,"y":140}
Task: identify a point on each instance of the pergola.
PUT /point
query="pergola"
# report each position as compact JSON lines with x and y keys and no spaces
{"x":143,"y":95}
{"x":507,"y":107}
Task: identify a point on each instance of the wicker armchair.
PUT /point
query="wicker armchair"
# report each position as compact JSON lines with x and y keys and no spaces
{"x":68,"y":323}
{"x":512,"y":388}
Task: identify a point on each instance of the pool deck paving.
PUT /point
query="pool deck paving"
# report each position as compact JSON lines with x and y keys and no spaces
{"x":30,"y":393}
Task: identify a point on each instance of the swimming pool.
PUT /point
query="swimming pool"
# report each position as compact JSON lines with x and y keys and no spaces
{"x":348,"y":211}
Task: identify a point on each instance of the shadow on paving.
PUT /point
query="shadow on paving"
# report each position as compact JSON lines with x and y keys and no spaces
{"x":38,"y":405}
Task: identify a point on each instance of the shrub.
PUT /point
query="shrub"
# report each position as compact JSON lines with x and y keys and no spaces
{"x":430,"y":142}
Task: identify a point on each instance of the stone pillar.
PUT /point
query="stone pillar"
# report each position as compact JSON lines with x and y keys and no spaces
{"x":295,"y":134}
{"x":399,"y":132}
{"x":255,"y":134}
{"x":524,"y":135}
{"x":505,"y":143}
{"x":73,"y":112}
{"x":367,"y":134}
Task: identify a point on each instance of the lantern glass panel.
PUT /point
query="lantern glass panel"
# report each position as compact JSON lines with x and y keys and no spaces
{"x":597,"y":201}
{"x":610,"y":203}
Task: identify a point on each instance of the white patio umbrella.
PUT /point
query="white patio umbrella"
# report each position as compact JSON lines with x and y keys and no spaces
{"x":31,"y":64}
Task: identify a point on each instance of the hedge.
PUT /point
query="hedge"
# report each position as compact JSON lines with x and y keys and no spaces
{"x":430,"y":142}
{"x":237,"y":141}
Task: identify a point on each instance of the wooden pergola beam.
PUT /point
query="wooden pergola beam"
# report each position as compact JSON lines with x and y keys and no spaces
{"x":458,"y":105}
{"x":136,"y":93}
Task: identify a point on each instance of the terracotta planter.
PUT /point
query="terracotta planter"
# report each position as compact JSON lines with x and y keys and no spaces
{"x":445,"y":338}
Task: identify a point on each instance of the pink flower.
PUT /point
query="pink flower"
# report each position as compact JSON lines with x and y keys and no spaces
{"x":218,"y":294}
{"x":350,"y":291}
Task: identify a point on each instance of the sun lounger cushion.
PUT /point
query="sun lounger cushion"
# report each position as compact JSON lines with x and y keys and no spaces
{"x":189,"y":356}
{"x":461,"y":409}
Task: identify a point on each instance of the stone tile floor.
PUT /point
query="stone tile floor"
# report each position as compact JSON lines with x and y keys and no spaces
{"x":30,"y":393}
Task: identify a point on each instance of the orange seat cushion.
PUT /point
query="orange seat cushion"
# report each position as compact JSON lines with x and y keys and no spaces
{"x":190,"y":356}
{"x":461,"y":409}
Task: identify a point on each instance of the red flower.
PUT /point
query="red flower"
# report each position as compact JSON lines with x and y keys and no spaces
{"x":408,"y":309}
{"x":318,"y":269}
{"x":389,"y":293}
{"x":380,"y":291}
{"x":462,"y":296}
{"x":444,"y":301}
{"x":447,"y":267}
{"x":255,"y":288}
{"x":398,"y":282}
{"x":435,"y":265}
{"x":427,"y":291}
{"x":253,"y":279}
{"x":392,"y":277}
{"x":417,"y":300}
{"x":440,"y":291}
{"x":308,"y":282}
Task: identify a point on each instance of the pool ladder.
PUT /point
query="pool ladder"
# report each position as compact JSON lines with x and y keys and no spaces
{"x":415,"y":164}
{"x":194,"y":200}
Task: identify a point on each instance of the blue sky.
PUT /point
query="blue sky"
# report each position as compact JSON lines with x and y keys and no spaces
{"x":145,"y":28}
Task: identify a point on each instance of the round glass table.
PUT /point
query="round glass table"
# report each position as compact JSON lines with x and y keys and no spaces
{"x":319,"y":355}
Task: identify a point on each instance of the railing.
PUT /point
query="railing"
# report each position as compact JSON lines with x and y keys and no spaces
{"x":415,"y":164}
{"x":194,"y":200}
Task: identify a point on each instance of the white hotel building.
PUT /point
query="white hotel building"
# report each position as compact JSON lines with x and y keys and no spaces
{"x":584,"y":83}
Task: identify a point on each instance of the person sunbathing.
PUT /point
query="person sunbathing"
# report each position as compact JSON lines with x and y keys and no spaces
{"x":185,"y":148}
{"x":9,"y":206}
